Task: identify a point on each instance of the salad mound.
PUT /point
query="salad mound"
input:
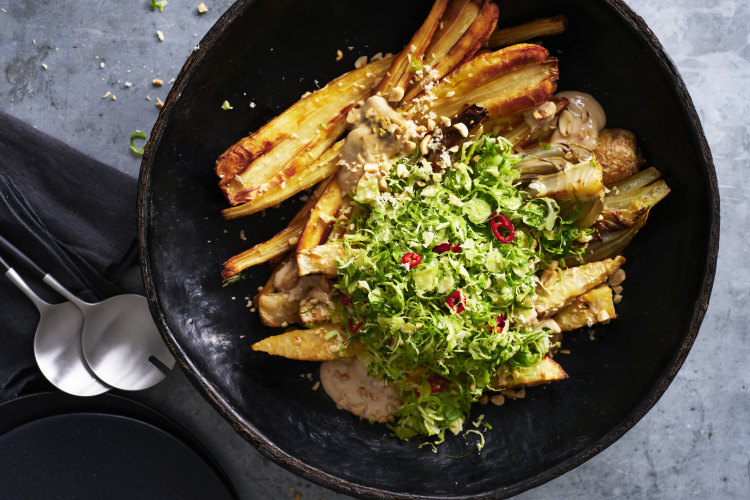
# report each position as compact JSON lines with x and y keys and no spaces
{"x":438,"y":279}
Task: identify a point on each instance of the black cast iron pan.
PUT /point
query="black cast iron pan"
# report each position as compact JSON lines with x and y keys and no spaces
{"x":269,"y":52}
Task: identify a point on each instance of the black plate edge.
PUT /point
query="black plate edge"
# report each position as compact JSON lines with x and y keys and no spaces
{"x":31,"y":407}
{"x":261,"y":442}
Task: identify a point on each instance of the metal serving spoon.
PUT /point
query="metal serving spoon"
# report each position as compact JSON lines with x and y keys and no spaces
{"x":57,"y":343}
{"x":119,"y":339}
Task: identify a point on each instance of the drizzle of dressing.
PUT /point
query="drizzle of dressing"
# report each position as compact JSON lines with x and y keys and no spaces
{"x":378,"y":134}
{"x":347,"y":383}
{"x":581,"y":121}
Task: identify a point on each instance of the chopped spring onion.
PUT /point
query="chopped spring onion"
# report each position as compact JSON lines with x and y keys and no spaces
{"x":155,"y":4}
{"x":136,"y":135}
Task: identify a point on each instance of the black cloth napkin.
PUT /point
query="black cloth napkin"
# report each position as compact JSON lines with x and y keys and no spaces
{"x":73,"y":216}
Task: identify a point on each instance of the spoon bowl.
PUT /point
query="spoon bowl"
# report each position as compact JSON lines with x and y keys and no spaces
{"x":120,"y":342}
{"x":57,"y":344}
{"x":117,"y":338}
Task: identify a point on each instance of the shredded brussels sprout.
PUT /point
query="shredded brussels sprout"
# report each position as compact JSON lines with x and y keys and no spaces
{"x":439,"y":356}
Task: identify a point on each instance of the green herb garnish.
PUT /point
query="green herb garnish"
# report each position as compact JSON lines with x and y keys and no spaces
{"x":232,"y":280}
{"x":415,"y":65}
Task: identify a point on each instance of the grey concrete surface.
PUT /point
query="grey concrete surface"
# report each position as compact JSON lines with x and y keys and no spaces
{"x":59,"y":58}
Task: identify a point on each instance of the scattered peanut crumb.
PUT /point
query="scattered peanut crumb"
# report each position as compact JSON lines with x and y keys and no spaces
{"x":157,"y":82}
{"x":396,"y":94}
{"x":226,"y":106}
{"x":202,"y":9}
{"x":159,"y":104}
{"x":128,"y":85}
{"x":114,"y":97}
{"x":44,"y":66}
{"x":148,"y":97}
{"x":106,"y":96}
{"x":252,"y":105}
{"x":617,"y":278}
{"x":339,"y":55}
{"x":424,"y":145}
{"x":497,"y":400}
{"x":242,"y":235}
{"x":101,"y":65}
{"x":160,"y":35}
{"x":361,"y":61}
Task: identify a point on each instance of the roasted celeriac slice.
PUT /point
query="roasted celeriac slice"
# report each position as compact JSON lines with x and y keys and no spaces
{"x":446,"y":52}
{"x":503,"y":82}
{"x":531,"y":30}
{"x":282,"y":242}
{"x":394,"y":84}
{"x":594,"y":306}
{"x":314,"y":344}
{"x":321,"y":216}
{"x":320,"y":259}
{"x":323,"y":168}
{"x":558,"y":287}
{"x":546,"y":370}
{"x":280,"y":302}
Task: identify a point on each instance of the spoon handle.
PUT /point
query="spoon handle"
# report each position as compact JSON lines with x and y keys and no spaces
{"x":13,"y":276}
{"x":46,"y":278}
{"x":21,"y":257}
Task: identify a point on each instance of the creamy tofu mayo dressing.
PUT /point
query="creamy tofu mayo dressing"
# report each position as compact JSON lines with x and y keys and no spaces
{"x":581,"y":121}
{"x":347,"y":383}
{"x":379,"y":133}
